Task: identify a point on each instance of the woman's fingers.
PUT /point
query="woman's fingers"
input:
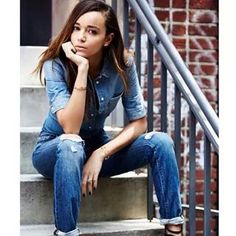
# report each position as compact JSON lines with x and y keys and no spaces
{"x":95,"y":181}
{"x":89,"y":183}
{"x":69,"y":49}
{"x":84,"y":185}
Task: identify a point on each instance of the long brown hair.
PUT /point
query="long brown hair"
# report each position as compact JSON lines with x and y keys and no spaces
{"x":115,"y":51}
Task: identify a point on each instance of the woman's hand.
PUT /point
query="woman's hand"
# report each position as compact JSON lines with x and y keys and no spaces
{"x":91,"y":171}
{"x":70,"y":52}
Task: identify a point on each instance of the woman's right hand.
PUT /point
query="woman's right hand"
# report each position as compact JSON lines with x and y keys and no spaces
{"x":70,"y":52}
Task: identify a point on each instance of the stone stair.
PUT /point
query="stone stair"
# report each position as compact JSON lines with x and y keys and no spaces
{"x":118,"y":207}
{"x":140,"y":227}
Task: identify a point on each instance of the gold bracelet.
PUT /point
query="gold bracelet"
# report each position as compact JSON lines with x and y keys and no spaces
{"x":80,"y":88}
{"x":104,"y":150}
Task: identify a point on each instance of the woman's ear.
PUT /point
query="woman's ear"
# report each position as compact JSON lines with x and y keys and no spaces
{"x":108,"y":39}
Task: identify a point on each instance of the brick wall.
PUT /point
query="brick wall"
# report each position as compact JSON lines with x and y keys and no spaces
{"x":192,"y":26}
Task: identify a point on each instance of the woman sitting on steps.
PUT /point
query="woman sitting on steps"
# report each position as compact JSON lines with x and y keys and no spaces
{"x":86,"y":72}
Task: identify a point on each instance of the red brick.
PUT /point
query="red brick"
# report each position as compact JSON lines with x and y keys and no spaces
{"x":203,"y":30}
{"x":183,"y":55}
{"x":203,"y":43}
{"x":162,"y":15}
{"x":157,"y":122}
{"x":215,"y":160}
{"x":179,"y":3}
{"x":200,"y":224}
{"x":204,"y":4}
{"x":200,"y":199}
{"x":180,"y":43}
{"x":203,"y":56}
{"x":203,"y":17}
{"x":156,"y":82}
{"x":131,"y":15}
{"x":161,"y":3}
{"x":211,"y":95}
{"x":208,"y":83}
{"x":200,"y":187}
{"x":179,"y":30}
{"x":199,"y":69}
{"x":179,"y":16}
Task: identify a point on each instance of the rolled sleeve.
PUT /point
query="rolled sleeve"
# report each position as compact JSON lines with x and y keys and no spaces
{"x":56,"y":86}
{"x":132,"y":100}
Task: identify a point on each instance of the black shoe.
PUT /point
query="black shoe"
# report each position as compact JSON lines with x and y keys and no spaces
{"x":169,"y":232}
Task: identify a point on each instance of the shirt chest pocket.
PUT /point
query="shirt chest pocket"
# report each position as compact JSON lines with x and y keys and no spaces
{"x":112,"y":103}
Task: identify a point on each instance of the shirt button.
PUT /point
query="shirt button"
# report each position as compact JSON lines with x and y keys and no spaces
{"x":92,"y":114}
{"x":90,"y":127}
{"x":97,"y":82}
{"x":102,"y":98}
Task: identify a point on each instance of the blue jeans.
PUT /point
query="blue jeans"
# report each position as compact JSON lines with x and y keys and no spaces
{"x":62,"y":160}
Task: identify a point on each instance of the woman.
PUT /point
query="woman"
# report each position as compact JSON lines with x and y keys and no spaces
{"x":86,"y":72}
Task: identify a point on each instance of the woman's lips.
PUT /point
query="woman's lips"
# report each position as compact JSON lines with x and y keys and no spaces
{"x":79,"y":48}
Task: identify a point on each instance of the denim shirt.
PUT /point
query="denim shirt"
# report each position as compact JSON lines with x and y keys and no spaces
{"x":108,"y":87}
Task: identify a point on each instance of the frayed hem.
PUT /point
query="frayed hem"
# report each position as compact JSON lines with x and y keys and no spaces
{"x":174,"y":221}
{"x":74,"y":232}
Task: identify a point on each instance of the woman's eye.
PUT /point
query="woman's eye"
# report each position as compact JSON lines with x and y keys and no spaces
{"x":92,"y":31}
{"x":76,"y":28}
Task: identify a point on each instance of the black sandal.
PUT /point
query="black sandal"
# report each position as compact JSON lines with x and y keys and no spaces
{"x":173,"y":233}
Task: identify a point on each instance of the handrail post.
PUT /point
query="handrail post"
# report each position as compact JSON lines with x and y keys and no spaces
{"x":138,"y":48}
{"x":125,"y":38}
{"x":114,"y":5}
{"x":163,"y":98}
{"x":150,"y":127}
{"x":207,"y":186}
{"x":192,"y":177}
{"x":126,"y":24}
{"x":178,"y":125}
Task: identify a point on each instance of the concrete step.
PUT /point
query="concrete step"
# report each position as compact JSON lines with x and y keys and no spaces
{"x":34,"y":108}
{"x":120,"y":197}
{"x":28,"y":137}
{"x":29,"y":57}
{"x":33,"y":105}
{"x":140,"y":227}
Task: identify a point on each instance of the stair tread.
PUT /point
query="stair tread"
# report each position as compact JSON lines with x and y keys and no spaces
{"x":36,"y":129}
{"x":39,"y":177}
{"x":97,"y":228}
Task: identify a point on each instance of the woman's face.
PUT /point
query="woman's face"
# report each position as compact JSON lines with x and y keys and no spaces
{"x":89,"y":35}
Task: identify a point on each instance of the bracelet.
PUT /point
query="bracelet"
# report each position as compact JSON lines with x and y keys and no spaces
{"x":104,"y":150}
{"x":80,"y":88}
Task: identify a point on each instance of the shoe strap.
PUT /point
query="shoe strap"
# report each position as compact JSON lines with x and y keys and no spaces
{"x":173,"y":232}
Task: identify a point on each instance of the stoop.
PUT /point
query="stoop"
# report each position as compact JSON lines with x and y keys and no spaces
{"x":140,"y":227}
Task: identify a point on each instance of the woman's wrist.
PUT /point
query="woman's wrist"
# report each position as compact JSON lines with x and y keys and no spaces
{"x":83,"y":66}
{"x":102,"y":153}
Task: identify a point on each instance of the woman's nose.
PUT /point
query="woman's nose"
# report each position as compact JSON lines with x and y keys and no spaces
{"x":81,"y":36}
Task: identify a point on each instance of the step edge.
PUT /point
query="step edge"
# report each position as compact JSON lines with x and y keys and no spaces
{"x":36,"y":129}
{"x":154,"y":224}
{"x":40,"y":178}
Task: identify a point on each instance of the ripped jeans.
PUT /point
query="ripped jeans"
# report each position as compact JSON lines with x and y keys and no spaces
{"x":62,"y":159}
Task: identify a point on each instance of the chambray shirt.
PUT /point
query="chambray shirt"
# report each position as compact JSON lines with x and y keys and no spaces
{"x":108,"y":87}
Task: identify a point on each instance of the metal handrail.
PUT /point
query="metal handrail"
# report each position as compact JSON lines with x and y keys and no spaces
{"x":180,"y":65}
{"x":200,"y":109}
{"x":192,"y":94}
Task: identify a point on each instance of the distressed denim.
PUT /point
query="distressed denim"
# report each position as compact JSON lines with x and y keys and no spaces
{"x":62,"y":160}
